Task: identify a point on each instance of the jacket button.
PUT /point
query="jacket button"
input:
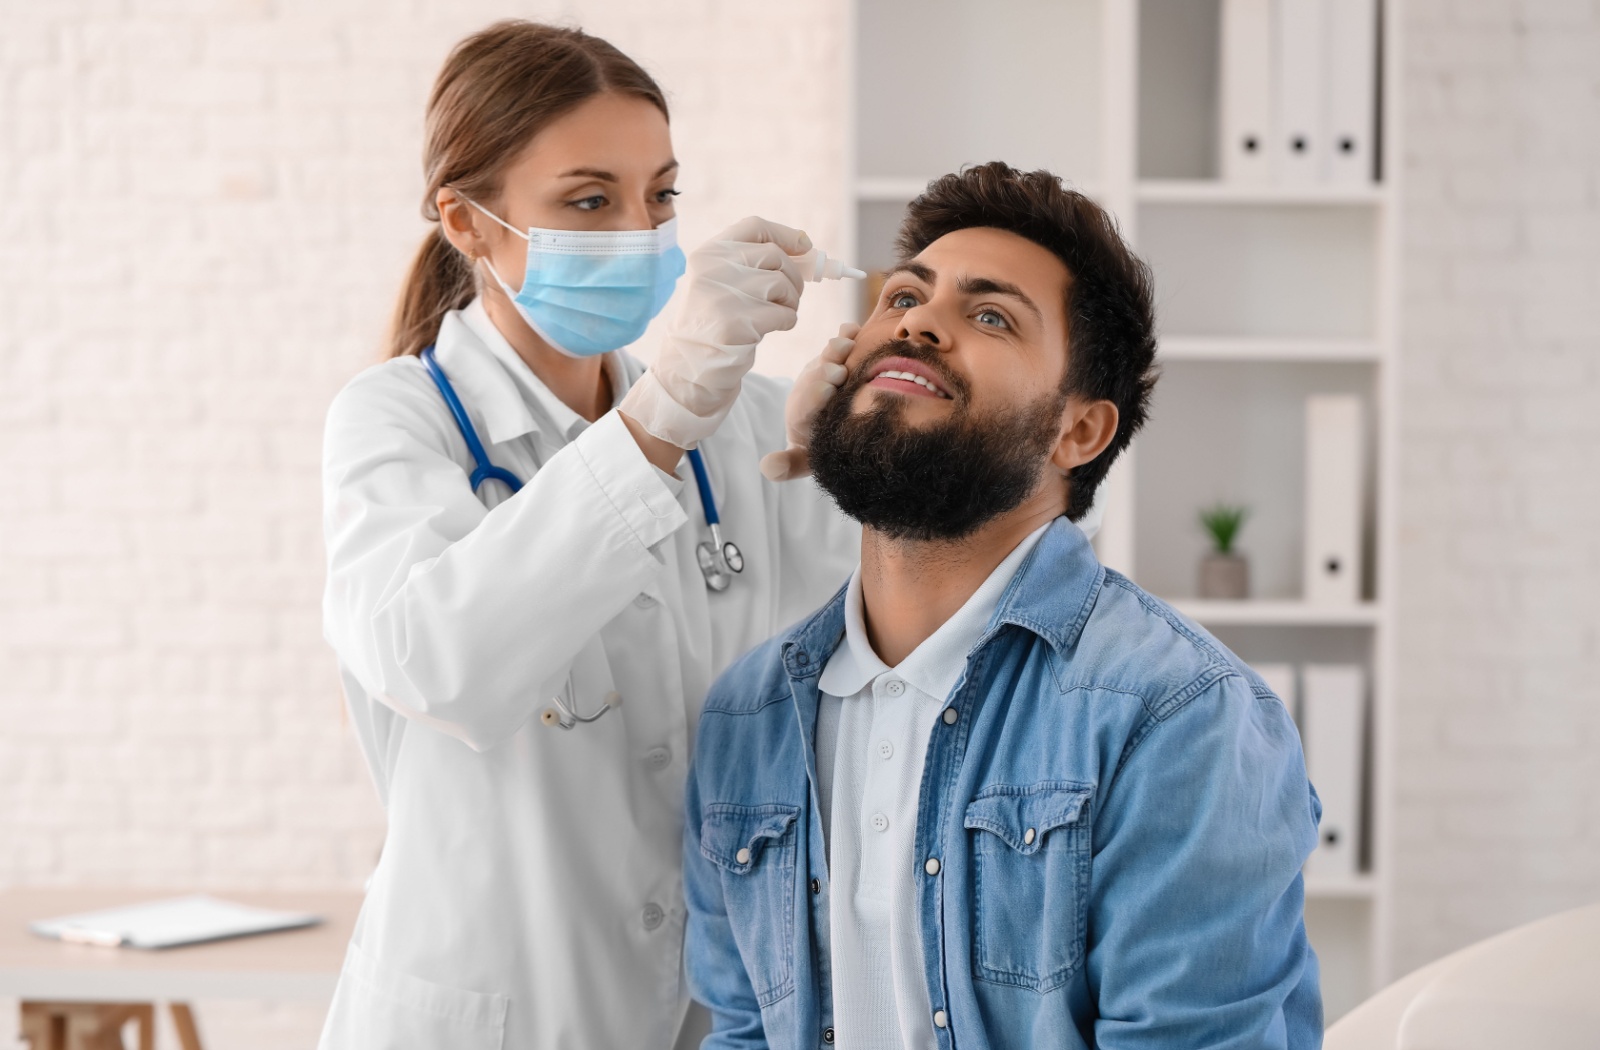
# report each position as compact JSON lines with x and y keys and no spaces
{"x":827,"y":1036}
{"x":940,"y":1020}
{"x":644,"y":601}
{"x":1028,"y":836}
{"x":652,"y":915}
{"x":932,"y":867}
{"x":816,"y":886}
{"x":802,"y":658}
{"x":743,"y":856}
{"x":950,"y":716}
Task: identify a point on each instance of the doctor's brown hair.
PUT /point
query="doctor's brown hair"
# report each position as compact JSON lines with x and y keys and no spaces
{"x":1111,"y":341}
{"x":498,"y":89}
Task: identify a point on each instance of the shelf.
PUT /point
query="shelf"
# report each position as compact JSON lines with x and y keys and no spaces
{"x":1278,"y":613}
{"x":1253,"y":348}
{"x":1350,"y":887}
{"x":1212,"y":191}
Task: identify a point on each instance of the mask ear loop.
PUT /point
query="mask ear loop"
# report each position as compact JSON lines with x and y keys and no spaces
{"x":504,"y":287}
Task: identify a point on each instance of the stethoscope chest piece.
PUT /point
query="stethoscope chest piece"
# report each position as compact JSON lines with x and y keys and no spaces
{"x":719,"y":560}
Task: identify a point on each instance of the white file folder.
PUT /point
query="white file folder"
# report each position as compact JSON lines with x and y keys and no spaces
{"x":1245,"y":65}
{"x":1280,"y":679}
{"x":170,"y":923}
{"x":1299,"y":59}
{"x":1332,"y":720}
{"x":1352,"y":89}
{"x":1334,"y":456}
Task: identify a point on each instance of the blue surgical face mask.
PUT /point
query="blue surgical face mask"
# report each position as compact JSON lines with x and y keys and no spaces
{"x":587,"y":292}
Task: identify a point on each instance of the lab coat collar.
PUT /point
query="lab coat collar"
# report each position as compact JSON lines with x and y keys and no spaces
{"x":491,"y":377}
{"x":935,"y":666}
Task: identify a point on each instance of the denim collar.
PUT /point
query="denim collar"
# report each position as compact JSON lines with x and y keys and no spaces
{"x":1051,"y":595}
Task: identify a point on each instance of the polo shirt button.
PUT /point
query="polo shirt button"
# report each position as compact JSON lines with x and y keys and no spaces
{"x":894,"y":687}
{"x":827,"y":1036}
{"x":880,"y":822}
{"x":885,"y":749}
{"x":950,"y":716}
{"x":940,"y":1020}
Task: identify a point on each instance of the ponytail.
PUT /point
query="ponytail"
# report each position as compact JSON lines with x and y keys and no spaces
{"x":498,"y":89}
{"x":440,"y":280}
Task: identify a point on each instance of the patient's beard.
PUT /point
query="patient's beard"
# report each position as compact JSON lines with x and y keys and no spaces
{"x":938,"y":482}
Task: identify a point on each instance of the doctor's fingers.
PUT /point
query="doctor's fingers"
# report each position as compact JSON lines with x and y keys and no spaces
{"x":755,"y":229}
{"x":769,"y":258}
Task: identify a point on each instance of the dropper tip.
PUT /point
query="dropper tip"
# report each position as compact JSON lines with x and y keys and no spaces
{"x":852,"y":272}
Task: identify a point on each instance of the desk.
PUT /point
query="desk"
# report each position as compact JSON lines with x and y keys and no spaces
{"x":295,"y":964}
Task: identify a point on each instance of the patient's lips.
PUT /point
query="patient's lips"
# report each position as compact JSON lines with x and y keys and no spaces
{"x":906,"y":376}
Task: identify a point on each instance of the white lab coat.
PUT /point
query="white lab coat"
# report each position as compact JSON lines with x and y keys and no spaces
{"x":530,"y":890}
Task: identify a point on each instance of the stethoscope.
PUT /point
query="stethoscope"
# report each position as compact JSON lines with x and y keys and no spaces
{"x":720,"y":560}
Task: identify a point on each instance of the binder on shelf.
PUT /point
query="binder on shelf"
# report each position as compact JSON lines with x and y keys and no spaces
{"x":1334,"y":454}
{"x":1299,"y":61}
{"x":1352,"y":72}
{"x":1332,"y":724}
{"x":1280,"y":679}
{"x":1246,"y":128}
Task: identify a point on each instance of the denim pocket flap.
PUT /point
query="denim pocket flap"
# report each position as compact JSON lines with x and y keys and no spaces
{"x":1023,"y":816}
{"x":734,"y":837}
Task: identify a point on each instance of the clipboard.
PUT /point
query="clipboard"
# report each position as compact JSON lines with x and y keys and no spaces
{"x":171,"y":923}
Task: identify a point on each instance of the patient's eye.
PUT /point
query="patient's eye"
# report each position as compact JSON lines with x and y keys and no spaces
{"x":993,"y":317}
{"x":902,"y":301}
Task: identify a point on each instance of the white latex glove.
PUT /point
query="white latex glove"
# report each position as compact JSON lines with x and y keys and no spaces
{"x":742,"y":285}
{"x":813,"y":387}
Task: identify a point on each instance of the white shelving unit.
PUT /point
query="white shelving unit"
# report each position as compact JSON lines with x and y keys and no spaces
{"x":1265,"y":294}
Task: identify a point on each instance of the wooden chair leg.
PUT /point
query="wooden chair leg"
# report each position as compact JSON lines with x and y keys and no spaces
{"x":145,"y":1014}
{"x":43,"y":1028}
{"x":183,"y":1021}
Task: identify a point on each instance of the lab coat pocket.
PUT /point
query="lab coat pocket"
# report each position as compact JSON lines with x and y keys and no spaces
{"x":378,"y":1008}
{"x":1030,"y":861}
{"x":755,"y":848}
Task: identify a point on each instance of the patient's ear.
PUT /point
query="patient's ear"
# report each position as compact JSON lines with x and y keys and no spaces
{"x":1087,"y":427}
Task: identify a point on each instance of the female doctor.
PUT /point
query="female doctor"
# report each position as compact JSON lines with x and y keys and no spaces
{"x":528,"y":599}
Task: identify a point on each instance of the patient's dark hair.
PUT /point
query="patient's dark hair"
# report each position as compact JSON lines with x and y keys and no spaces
{"x":1110,"y":314}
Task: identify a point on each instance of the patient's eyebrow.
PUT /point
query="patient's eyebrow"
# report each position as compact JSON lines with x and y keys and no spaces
{"x":920,"y":271}
{"x":991,"y":286}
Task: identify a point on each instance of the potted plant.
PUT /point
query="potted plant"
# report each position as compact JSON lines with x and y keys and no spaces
{"x":1224,"y":574}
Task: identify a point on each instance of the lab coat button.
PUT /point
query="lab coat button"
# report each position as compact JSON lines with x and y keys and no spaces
{"x":880,"y":822}
{"x":932,"y":867}
{"x":644,"y":601}
{"x":743,"y":856}
{"x":950,"y":716}
{"x":658,"y":757}
{"x":940,"y":1020}
{"x":653,"y":915}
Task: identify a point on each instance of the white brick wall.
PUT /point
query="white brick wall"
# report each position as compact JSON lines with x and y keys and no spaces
{"x":1498,"y":793}
{"x":205,"y":208}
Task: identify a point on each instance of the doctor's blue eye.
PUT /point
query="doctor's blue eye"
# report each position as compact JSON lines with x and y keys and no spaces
{"x":902,"y":301}
{"x":665,"y":196}
{"x":594,"y":203}
{"x":999,"y":318}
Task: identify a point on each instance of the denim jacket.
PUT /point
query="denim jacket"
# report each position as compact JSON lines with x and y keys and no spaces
{"x":1117,"y":805}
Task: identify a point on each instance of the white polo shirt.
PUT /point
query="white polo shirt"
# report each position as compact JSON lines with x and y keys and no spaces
{"x":872,"y":736}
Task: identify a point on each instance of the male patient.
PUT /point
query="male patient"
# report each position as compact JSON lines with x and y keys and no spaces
{"x":993,"y":794}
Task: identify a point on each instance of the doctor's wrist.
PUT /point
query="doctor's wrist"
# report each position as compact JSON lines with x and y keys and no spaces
{"x":662,"y":454}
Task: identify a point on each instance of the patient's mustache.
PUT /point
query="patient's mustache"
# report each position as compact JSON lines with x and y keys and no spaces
{"x":919,"y":352}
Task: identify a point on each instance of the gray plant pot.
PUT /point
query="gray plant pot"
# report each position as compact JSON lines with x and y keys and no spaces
{"x":1224,"y":577}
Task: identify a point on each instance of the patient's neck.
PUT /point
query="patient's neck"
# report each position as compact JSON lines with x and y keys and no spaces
{"x":909,"y":588}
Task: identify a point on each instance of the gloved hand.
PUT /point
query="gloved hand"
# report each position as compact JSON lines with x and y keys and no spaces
{"x":817,"y":382}
{"x":742,"y":284}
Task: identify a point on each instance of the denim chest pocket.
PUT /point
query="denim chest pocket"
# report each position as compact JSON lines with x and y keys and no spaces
{"x":755,"y":848}
{"x":1030,"y":861}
